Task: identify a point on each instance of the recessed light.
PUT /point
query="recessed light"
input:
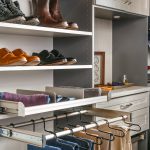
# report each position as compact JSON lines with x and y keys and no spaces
{"x":116,"y":17}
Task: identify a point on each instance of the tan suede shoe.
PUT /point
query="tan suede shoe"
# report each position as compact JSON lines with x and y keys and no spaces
{"x":7,"y":58}
{"x":31,"y":60}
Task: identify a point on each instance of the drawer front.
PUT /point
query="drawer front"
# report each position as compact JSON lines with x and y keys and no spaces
{"x":116,"y":4}
{"x":141,"y":117}
{"x":128,"y":103}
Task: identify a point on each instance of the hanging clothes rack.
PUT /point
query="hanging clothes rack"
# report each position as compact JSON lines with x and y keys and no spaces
{"x":40,"y":139}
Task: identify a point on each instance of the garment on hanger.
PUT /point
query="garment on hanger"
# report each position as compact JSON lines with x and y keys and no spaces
{"x":62,"y":144}
{"x":94,"y":138}
{"x":85,"y":144}
{"x":119,"y":143}
{"x":31,"y":147}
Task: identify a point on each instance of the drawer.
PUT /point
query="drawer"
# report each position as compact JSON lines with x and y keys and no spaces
{"x":141,"y":117}
{"x":115,"y":4}
{"x":128,"y":103}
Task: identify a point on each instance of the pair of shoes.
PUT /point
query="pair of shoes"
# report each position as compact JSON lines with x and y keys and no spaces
{"x":10,"y":12}
{"x":54,"y":58}
{"x":49,"y":14}
{"x":17,"y":58}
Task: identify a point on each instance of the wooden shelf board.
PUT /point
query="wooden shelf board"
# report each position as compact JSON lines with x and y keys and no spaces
{"x":18,"y":29}
{"x":20,"y":110}
{"x":34,"y":68}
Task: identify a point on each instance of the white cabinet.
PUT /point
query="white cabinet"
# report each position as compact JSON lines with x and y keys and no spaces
{"x":139,"y":7}
{"x":134,"y":6}
{"x":137,"y":105}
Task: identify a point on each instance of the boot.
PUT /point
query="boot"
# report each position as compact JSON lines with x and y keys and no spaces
{"x":54,"y":6}
{"x":45,"y":17}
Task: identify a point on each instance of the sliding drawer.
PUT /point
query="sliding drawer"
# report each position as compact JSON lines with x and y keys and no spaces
{"x":128,"y":103}
{"x":141,"y":117}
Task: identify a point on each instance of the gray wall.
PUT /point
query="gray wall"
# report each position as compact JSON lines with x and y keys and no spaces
{"x":130,"y":50}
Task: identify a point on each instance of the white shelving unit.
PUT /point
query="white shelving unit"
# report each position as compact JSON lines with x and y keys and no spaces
{"x":18,"y":108}
{"x":9,"y":28}
{"x":32,"y":68}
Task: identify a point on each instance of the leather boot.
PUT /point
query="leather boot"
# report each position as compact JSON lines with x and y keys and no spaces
{"x":55,"y":11}
{"x":45,"y":17}
{"x":54,"y":7}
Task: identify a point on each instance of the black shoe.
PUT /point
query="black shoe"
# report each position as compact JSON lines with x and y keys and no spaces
{"x":6,"y":15}
{"x":48,"y":58}
{"x":70,"y":60}
{"x":29,"y":20}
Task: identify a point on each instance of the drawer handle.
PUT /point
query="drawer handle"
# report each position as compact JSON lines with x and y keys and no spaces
{"x":126,"y":106}
{"x":125,"y":2}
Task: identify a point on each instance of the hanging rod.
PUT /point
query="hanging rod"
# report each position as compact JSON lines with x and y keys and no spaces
{"x":81,"y":128}
{"x":23,"y":124}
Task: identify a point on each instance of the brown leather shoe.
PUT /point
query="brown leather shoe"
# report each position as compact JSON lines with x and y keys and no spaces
{"x":31,"y":60}
{"x":7,"y":58}
{"x":55,"y":12}
{"x":54,"y":7}
{"x":43,"y":13}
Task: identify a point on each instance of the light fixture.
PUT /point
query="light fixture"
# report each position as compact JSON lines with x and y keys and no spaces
{"x":116,"y":17}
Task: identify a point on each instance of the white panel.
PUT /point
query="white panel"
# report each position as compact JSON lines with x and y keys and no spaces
{"x":10,"y":81}
{"x":7,"y":144}
{"x":103,"y":42}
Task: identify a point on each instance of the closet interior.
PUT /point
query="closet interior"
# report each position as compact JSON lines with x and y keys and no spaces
{"x":22,"y":124}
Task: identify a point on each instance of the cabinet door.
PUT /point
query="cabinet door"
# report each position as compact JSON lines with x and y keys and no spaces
{"x":139,"y":7}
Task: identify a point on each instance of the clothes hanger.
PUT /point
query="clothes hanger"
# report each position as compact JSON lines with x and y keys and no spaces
{"x":112,"y":137}
{"x":71,"y":131}
{"x":97,"y":137}
{"x":33,"y":125}
{"x":116,"y":129}
{"x":131,"y":124}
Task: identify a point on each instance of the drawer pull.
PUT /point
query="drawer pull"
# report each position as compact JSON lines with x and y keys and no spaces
{"x":125,"y":2}
{"x":126,"y":106}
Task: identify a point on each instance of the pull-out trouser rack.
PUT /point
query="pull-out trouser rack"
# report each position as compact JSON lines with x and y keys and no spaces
{"x":40,"y":139}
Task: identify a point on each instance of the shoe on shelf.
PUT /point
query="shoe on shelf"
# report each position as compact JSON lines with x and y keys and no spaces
{"x":28,"y":20}
{"x":70,"y":60}
{"x":48,"y":58}
{"x":41,"y":10}
{"x":15,"y":11}
{"x":7,"y":16}
{"x":73,"y":26}
{"x":31,"y":60}
{"x":55,"y":12}
{"x":7,"y":58}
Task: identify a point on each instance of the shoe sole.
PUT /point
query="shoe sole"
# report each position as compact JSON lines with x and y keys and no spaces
{"x":71,"y":62}
{"x":18,"y":63}
{"x":17,"y":20}
{"x":32,"y":63}
{"x":62,"y":62}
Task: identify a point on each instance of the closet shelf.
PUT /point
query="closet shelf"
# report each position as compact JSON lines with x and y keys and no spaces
{"x":9,"y":28}
{"x":19,"y":109}
{"x":61,"y":67}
